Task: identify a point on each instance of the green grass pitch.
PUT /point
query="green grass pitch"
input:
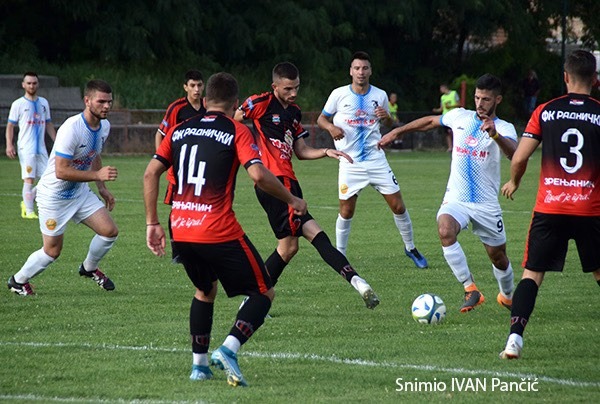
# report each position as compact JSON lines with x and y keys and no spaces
{"x":74,"y":342}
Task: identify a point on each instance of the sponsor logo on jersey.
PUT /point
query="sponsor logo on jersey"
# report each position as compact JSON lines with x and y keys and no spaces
{"x":471,"y":141}
{"x":285,"y":150}
{"x":563,"y":182}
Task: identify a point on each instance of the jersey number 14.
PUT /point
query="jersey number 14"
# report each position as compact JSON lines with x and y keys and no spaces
{"x":197,"y":179}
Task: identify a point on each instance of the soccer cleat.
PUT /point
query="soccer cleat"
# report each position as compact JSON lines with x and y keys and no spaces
{"x":513,"y":348}
{"x":201,"y":373}
{"x":18,"y":288}
{"x":504,"y":301}
{"x":370,"y":298}
{"x":25,"y":215}
{"x":224,"y":359}
{"x":102,"y":280}
{"x":366,"y":292}
{"x":472,"y":298}
{"x":417,"y":258}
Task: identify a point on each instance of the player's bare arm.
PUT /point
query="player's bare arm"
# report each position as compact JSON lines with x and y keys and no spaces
{"x":518,"y":165}
{"x":65,"y":171}
{"x":10,"y":136}
{"x":158,"y":137}
{"x":418,"y":125}
{"x":508,"y":146}
{"x":305,"y":152}
{"x":155,"y":234}
{"x":51,"y":130}
{"x":266,"y":181}
{"x":326,"y":123}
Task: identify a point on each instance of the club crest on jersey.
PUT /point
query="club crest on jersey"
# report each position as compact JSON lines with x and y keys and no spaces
{"x":576,"y":102}
{"x":471,"y":141}
{"x":276,"y":119}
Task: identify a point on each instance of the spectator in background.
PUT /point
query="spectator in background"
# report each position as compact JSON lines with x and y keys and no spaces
{"x":531,"y":90}
{"x":32,"y":114}
{"x":448,"y":101}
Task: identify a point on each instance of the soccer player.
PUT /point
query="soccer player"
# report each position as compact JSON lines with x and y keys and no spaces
{"x":205,"y":153}
{"x":32,"y":114}
{"x":178,"y":111}
{"x":568,"y":200}
{"x":63,"y":192}
{"x":277,"y":122}
{"x":352,"y":116}
{"x":480,"y":139}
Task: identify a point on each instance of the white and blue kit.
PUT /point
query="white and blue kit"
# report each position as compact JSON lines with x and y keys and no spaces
{"x":31,"y":118}
{"x":474,"y":181}
{"x":355,"y":115}
{"x":60,"y":200}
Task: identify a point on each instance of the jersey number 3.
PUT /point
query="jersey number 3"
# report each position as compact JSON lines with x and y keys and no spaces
{"x":573,"y":150}
{"x":195,"y":171}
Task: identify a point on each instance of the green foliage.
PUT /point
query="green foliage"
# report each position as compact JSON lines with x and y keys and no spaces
{"x":414,"y":44}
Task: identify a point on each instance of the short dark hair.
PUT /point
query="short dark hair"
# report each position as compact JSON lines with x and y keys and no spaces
{"x":193,"y":75}
{"x":222,"y":88}
{"x":97,"y":85}
{"x":489,"y":82}
{"x":285,"y":70}
{"x":33,"y":74}
{"x":360,"y":55}
{"x":581,"y":64}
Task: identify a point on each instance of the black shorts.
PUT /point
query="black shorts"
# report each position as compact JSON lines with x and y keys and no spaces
{"x":281,"y":217}
{"x":236,"y":264}
{"x":548,"y":242}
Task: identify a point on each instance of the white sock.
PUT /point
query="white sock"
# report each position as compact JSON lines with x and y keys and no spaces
{"x":200,"y":359}
{"x":516,"y":338}
{"x":359,"y":284}
{"x":404,"y":225}
{"x":457,"y":260}
{"x":36,"y":263}
{"x":505,"y":280}
{"x":232,"y":343}
{"x":28,"y":197}
{"x":99,"y":246}
{"x":342,"y":232}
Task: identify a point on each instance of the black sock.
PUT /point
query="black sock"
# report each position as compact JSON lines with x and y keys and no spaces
{"x":522,"y":305}
{"x":201,"y":319}
{"x":332,"y":256}
{"x":250,"y":317}
{"x":275,"y":265}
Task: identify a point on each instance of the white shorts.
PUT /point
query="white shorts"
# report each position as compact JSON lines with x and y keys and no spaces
{"x":486,"y":219}
{"x":33,"y":165}
{"x":54,"y":214}
{"x":352,"y":178}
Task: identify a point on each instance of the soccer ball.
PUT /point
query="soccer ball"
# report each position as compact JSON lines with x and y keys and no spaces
{"x":429,"y":309}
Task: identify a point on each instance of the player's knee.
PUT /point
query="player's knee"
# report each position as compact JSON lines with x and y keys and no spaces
{"x":270,"y":294}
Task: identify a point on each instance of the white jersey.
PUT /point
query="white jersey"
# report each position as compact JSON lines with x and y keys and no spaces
{"x":475,"y":168}
{"x":355,"y":115}
{"x":31,"y":117}
{"x":75,"y":141}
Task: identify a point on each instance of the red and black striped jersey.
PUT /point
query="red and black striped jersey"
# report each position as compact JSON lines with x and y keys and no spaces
{"x":277,"y":129}
{"x":205,"y":154}
{"x":177,"y":112}
{"x":569,"y":129}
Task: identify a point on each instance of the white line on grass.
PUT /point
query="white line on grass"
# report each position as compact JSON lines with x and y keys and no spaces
{"x":314,"y":357}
